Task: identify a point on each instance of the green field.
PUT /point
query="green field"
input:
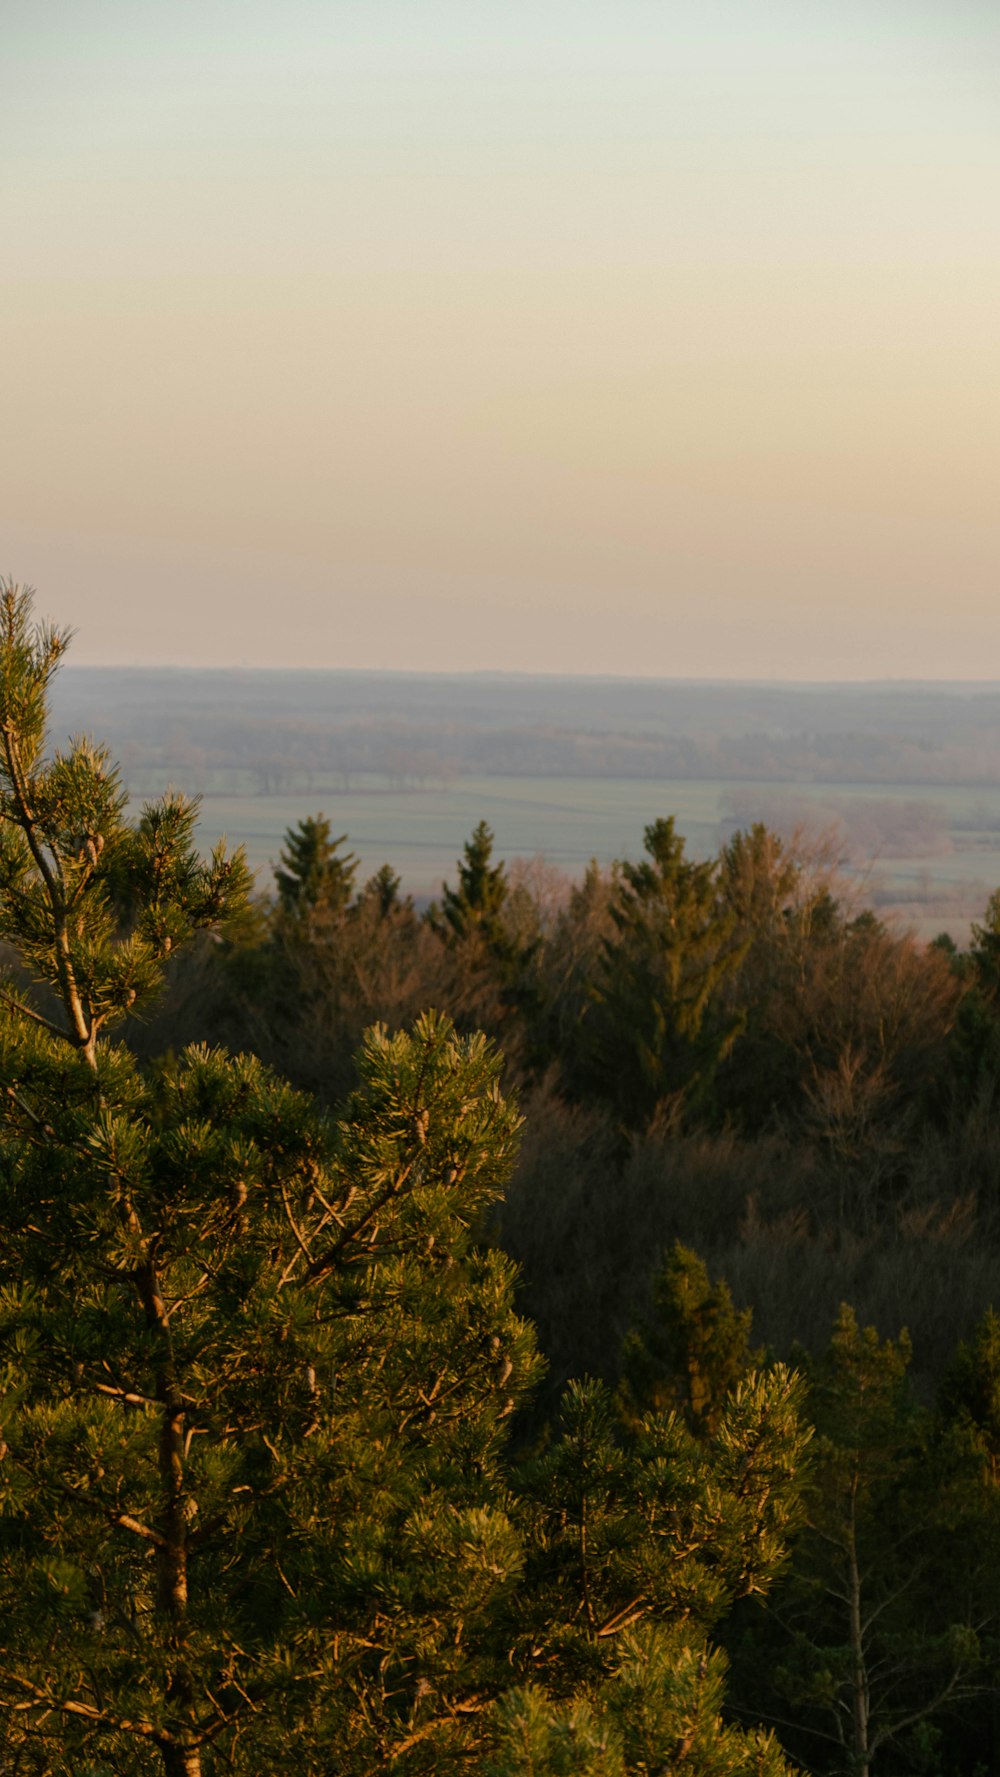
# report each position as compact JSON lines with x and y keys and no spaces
{"x":942,"y":884}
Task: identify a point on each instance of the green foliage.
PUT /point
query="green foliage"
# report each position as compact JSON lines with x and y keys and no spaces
{"x":476,"y":905}
{"x":492,"y":948}
{"x":311,"y":873}
{"x":656,"y":1031}
{"x":970,"y":1392}
{"x":92,"y":903}
{"x":691,"y":1350}
{"x":658,"y":1709}
{"x":876,"y":1640}
{"x":256,"y":1380}
{"x":636,"y":1546}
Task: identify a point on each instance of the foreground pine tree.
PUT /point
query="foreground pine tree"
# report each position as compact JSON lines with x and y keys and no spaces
{"x":258,"y":1373}
{"x":254,"y":1370}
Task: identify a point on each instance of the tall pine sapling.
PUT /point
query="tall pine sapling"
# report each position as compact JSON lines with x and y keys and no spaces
{"x":878,"y":1632}
{"x":255,"y":1371}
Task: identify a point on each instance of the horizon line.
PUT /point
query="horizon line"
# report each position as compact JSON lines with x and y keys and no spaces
{"x":506,"y":674}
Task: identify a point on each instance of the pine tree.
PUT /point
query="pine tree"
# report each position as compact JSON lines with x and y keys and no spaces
{"x":312,"y":874}
{"x":637,"y":1546}
{"x":476,"y":906}
{"x":256,"y":1372}
{"x":493,"y":983}
{"x":656,"y":1031}
{"x":691,"y":1350}
{"x":877,"y":1636}
{"x":92,"y":904}
{"x":382,"y":890}
{"x":257,"y":1377}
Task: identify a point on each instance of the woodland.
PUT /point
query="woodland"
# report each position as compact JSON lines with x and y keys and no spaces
{"x":550,"y":1332}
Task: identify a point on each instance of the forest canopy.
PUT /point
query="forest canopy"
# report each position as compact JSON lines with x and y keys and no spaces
{"x":424,"y":1335}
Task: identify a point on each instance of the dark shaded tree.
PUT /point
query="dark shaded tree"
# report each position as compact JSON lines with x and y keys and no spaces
{"x":879,"y":1634}
{"x":970,"y":1390}
{"x":656,"y":1030}
{"x":383,"y":890}
{"x":691,"y":1349}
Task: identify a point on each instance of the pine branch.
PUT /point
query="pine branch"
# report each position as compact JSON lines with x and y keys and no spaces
{"x":121,"y":1520}
{"x":36,"y":1121}
{"x":472,"y":1706}
{"x":139,"y":1728}
{"x":18,"y":1006}
{"x":325,"y":1263}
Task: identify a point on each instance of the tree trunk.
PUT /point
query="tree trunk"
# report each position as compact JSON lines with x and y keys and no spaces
{"x":859,"y":1674}
{"x":182,"y":1761}
{"x":179,"y":1760}
{"x":172,"y":1554}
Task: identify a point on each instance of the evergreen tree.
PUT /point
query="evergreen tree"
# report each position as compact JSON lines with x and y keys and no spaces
{"x":878,"y":1638}
{"x":656,"y":1031}
{"x":759,"y":881}
{"x":985,"y":947}
{"x":691,"y":1351}
{"x":494,"y":983}
{"x":92,"y":904}
{"x":476,"y":906}
{"x":382,"y":890}
{"x":312,"y":874}
{"x":255,"y":1371}
{"x":970,"y":1392}
{"x":256,"y":1382}
{"x":637,"y":1546}
{"x":969,"y":1084}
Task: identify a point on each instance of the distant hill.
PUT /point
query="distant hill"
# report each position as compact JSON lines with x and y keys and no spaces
{"x":412,"y":729}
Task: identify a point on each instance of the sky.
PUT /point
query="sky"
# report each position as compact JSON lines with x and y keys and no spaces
{"x":648,"y":337}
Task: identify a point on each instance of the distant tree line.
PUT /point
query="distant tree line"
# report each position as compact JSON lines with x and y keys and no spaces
{"x":283,"y":733}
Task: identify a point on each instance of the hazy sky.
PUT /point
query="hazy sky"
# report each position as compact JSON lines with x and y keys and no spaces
{"x":633,"y":336}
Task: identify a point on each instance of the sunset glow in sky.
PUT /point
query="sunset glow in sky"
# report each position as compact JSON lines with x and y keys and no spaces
{"x":628,"y":336}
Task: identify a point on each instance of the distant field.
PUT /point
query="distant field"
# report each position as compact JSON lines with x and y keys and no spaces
{"x":941,"y":883}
